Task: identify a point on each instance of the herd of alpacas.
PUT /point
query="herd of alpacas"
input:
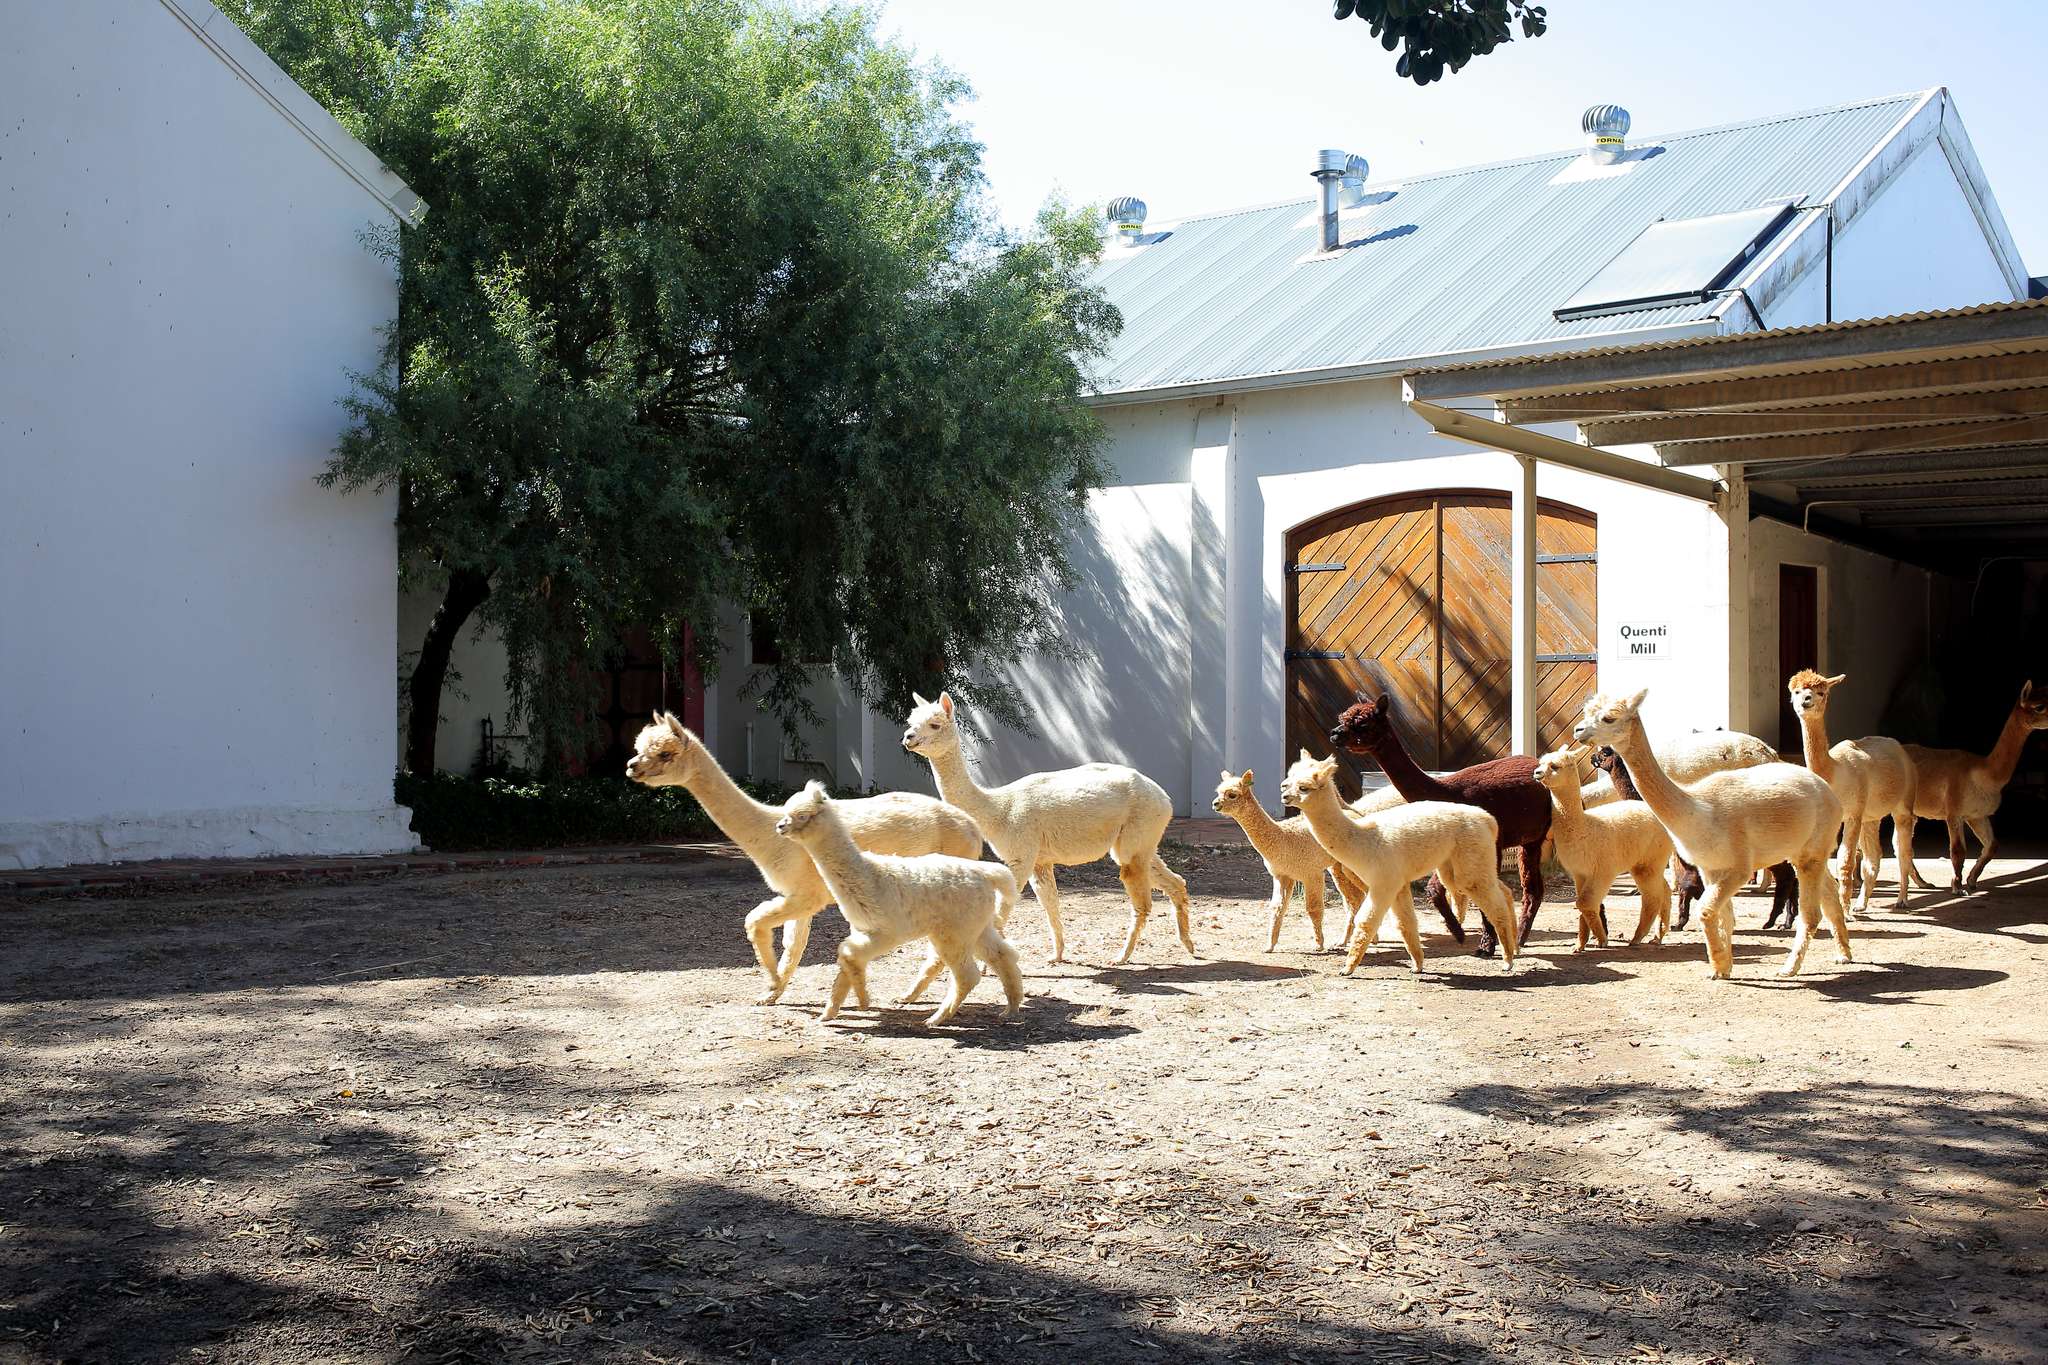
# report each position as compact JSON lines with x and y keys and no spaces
{"x":1707,"y":812}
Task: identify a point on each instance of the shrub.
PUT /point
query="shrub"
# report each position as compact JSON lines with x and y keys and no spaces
{"x":453,"y":813}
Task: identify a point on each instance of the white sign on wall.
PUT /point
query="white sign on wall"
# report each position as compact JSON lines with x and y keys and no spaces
{"x":1646,"y":640}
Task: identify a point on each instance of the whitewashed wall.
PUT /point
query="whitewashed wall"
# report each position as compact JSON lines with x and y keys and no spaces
{"x":197,"y":643}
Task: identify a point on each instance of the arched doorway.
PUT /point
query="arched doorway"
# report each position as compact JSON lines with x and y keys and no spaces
{"x":1411,"y":595}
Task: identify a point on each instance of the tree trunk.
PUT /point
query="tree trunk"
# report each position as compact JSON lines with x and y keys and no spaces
{"x":466,"y":592}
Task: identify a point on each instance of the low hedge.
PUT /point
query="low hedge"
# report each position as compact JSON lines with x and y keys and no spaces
{"x":452,"y":813}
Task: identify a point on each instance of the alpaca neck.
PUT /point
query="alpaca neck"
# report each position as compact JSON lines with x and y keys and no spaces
{"x":1259,"y":827}
{"x":1998,"y":765}
{"x":1567,"y":808}
{"x":1326,"y":815}
{"x":839,"y":859}
{"x":1407,"y":777}
{"x":743,"y":820}
{"x":1666,"y":799}
{"x":1813,"y":736}
{"x":1624,"y":785}
{"x":957,"y":786}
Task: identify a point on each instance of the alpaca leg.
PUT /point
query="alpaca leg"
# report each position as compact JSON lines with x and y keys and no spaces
{"x":1981,"y":827}
{"x":1656,"y":898}
{"x":1139,"y":888}
{"x":1590,"y":895}
{"x":1176,"y":890}
{"x":960,"y":963}
{"x":1784,"y":895}
{"x":1850,"y":841}
{"x":1955,"y":852}
{"x":1873,"y":857}
{"x":1492,"y":899}
{"x":1364,"y":934}
{"x":854,"y":955}
{"x":1912,"y":864}
{"x":761,"y":924}
{"x":1312,"y":906}
{"x":998,"y":953}
{"x":1276,"y":907}
{"x":1529,"y":865}
{"x":1902,"y":852}
{"x":1352,"y":891}
{"x":1443,"y":906}
{"x":1411,"y":934}
{"x":1688,"y":885}
{"x":933,"y":965}
{"x":1717,"y":915}
{"x":1046,"y":887}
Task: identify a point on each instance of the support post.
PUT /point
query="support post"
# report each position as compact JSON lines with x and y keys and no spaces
{"x":1208,"y":614}
{"x":1522,"y":515}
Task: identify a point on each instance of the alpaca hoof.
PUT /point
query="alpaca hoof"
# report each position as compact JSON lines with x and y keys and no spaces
{"x":769,"y":996}
{"x":1483,"y":950}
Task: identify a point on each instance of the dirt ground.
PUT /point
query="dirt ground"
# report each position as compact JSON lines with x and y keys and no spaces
{"x":532,"y":1116}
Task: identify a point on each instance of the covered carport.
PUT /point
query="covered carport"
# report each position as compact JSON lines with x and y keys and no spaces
{"x":1923,"y":438}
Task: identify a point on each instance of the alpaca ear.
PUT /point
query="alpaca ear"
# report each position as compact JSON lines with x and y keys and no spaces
{"x":1360,"y":696}
{"x":946,"y":704}
{"x":1246,"y":779}
{"x":1838,"y":680}
{"x":917,"y":699}
{"x":815,"y":788}
{"x":675,"y":727}
{"x":1225,"y":775}
{"x":1305,"y":757}
{"x":2027,"y":689}
{"x":1635,"y":703}
{"x":1386,"y":700}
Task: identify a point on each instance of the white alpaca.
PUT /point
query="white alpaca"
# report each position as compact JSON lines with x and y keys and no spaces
{"x":1291,"y":854}
{"x":1730,"y":823}
{"x":1598,"y":845}
{"x":1388,"y":850}
{"x":1074,"y":815}
{"x":668,"y":755}
{"x":1872,"y":777}
{"x":958,"y":904}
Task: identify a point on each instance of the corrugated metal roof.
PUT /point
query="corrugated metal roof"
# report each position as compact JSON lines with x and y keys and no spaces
{"x":1455,"y":262}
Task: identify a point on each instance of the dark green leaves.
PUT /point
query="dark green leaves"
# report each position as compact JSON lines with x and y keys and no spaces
{"x":1440,"y":35}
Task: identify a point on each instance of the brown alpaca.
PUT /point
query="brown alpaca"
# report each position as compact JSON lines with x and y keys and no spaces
{"x":1960,"y":788}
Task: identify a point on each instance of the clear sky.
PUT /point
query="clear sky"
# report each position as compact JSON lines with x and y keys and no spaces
{"x":1207,"y":104}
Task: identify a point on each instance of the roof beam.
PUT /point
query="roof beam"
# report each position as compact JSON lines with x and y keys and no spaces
{"x":2006,"y":431}
{"x":1463,"y":426}
{"x":1935,"y":468}
{"x":1871,"y":414}
{"x":1789,"y":350}
{"x":1929,"y":378}
{"x":2019,"y":514}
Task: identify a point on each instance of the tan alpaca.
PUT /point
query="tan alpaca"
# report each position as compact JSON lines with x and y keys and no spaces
{"x":1394,"y":847}
{"x":668,"y":755}
{"x":1960,"y":788}
{"x":958,"y":904}
{"x":1872,"y":777}
{"x":1598,"y":845}
{"x":1292,"y":856}
{"x":1728,"y":824}
{"x":1074,"y":815}
{"x":1691,"y":758}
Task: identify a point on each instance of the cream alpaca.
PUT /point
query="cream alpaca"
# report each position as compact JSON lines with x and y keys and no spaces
{"x":1388,"y":850}
{"x":1960,"y":788}
{"x":1872,"y":777}
{"x":1291,"y":854}
{"x":1730,"y":823}
{"x":668,"y":755}
{"x":1074,"y":815}
{"x":1598,"y":845}
{"x":956,"y":903}
{"x":1689,"y":759}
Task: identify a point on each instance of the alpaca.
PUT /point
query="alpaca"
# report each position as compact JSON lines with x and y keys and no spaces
{"x":956,"y":903}
{"x":1598,"y":845}
{"x":1687,"y":883}
{"x":1872,"y":777}
{"x":668,"y":755}
{"x":1960,"y":788}
{"x":1291,"y":854}
{"x":1074,"y":815}
{"x":1391,"y":849}
{"x":1504,"y":788}
{"x":1728,"y":824}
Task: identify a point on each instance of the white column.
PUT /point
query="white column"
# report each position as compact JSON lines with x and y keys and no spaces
{"x":1208,"y":627}
{"x":1522,"y":515}
{"x":1734,"y":513}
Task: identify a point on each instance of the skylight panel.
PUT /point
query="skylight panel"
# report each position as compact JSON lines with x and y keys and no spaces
{"x":1677,"y":260}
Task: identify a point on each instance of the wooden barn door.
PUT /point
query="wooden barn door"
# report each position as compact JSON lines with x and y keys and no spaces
{"x":1411,"y":596}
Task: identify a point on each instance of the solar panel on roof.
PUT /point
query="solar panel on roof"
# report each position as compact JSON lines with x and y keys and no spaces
{"x":1677,"y":260}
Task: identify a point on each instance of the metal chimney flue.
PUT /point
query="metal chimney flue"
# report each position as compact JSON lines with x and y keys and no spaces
{"x":1127,"y":217}
{"x":1606,"y":129}
{"x":1331,"y":169}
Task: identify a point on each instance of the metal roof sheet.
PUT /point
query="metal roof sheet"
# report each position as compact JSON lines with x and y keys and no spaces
{"x":1448,"y":263}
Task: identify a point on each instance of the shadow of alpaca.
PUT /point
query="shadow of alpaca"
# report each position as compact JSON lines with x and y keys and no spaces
{"x":980,"y":1025}
{"x":1139,"y":980}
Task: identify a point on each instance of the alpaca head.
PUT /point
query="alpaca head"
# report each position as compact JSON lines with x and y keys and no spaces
{"x":801,"y":812}
{"x":1606,"y":719}
{"x":1560,"y":767}
{"x":1605,"y":759}
{"x":1366,"y":726}
{"x":1810,"y":691}
{"x":2033,"y":709}
{"x":1232,"y":793}
{"x":666,"y":754}
{"x":1306,"y":777}
{"x":930,"y":730}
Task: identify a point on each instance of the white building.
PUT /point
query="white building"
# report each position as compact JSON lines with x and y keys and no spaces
{"x":1266,"y":456}
{"x":196,"y":640}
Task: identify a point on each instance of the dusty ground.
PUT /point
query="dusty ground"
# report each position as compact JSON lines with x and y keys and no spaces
{"x":530,"y":1116}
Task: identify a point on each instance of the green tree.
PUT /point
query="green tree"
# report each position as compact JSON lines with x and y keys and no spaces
{"x":1439,"y":35}
{"x":706,"y":307}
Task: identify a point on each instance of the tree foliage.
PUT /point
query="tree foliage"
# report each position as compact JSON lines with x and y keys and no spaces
{"x":1439,"y":35}
{"x":706,"y":308}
